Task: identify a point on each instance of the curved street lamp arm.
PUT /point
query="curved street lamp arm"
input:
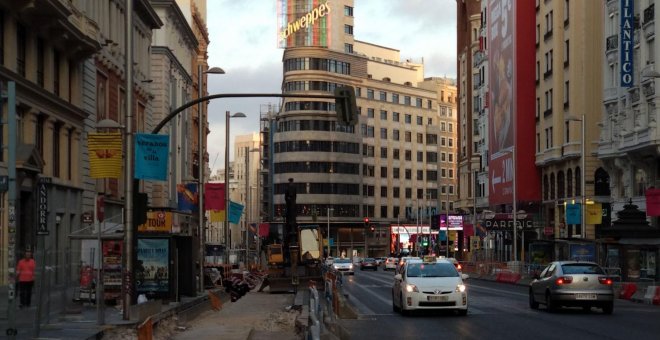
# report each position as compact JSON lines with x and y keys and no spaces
{"x":178,"y":110}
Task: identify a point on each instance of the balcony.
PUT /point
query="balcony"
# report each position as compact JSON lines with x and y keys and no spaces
{"x":610,"y":94}
{"x":613,"y":6}
{"x":62,"y":24}
{"x":612,"y":48}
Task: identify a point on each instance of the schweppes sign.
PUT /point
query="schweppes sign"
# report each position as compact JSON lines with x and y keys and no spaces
{"x":306,"y":20}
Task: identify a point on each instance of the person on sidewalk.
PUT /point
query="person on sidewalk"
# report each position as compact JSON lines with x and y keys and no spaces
{"x":25,"y":274}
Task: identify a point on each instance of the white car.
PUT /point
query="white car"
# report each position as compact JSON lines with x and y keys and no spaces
{"x":344,"y":266}
{"x":390,"y":263}
{"x":429,"y":284}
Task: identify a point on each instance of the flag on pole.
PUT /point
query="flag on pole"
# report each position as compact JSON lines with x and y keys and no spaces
{"x":105,"y":154}
{"x":217,"y":215}
{"x":235,"y":212}
{"x":151,"y":156}
{"x":652,"y":202}
{"x":214,"y":196}
{"x":573,"y":214}
{"x":594,"y":213}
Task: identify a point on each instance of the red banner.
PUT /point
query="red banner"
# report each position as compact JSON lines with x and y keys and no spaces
{"x":264,"y":229}
{"x":652,"y":202}
{"x":214,"y":195}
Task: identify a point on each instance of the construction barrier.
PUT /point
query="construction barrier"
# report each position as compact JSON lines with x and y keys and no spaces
{"x":146,"y":330}
{"x":216,"y":303}
{"x":627,"y":291}
{"x":652,"y":295}
{"x":508,"y":277}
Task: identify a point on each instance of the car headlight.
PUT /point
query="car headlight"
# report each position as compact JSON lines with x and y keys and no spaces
{"x":411,"y":288}
{"x":460,"y":288}
{"x":335,"y":266}
{"x":351,"y":266}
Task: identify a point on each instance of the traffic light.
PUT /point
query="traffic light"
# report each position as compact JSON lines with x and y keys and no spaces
{"x":140,"y":202}
{"x":345,"y":105}
{"x":366,"y":222}
{"x":372,"y":228}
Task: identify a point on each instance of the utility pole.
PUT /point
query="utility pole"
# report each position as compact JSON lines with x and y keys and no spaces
{"x":129,"y":241}
{"x":11,"y":172}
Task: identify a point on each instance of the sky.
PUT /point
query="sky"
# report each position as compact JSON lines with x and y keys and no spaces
{"x":243,"y":42}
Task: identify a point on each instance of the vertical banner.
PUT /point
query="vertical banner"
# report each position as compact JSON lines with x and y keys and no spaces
{"x":216,"y":215}
{"x":594,"y":214}
{"x":626,"y":46}
{"x":187,"y":197}
{"x":152,"y":268}
{"x":235,"y":212}
{"x":264,"y":229}
{"x":151,"y":154}
{"x":502,"y":98}
{"x":42,"y":226}
{"x":105,"y":155}
{"x":652,"y":202}
{"x":573,"y":214}
{"x":214,"y":196}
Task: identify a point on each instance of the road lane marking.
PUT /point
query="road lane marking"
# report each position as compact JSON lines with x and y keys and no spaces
{"x":384,"y":300}
{"x":469,"y":286}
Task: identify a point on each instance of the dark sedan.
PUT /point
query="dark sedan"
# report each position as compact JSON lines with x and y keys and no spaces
{"x":369,"y":263}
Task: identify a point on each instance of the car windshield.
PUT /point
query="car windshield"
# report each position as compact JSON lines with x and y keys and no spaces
{"x":431,"y":270}
{"x":581,"y":268}
{"x":342,"y":261}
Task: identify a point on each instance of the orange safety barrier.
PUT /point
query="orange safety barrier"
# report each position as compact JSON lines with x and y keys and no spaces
{"x":508,"y":277}
{"x":656,"y":297}
{"x":146,"y":330}
{"x":627,"y":291}
{"x":216,"y":303}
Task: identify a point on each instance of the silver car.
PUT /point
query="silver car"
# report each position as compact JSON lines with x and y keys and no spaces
{"x":572,"y":283}
{"x":344,"y":266}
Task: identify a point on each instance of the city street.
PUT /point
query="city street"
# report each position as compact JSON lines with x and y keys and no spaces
{"x":496,"y":311}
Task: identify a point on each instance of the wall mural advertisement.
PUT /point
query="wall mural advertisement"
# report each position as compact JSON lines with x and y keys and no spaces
{"x":303,"y":26}
{"x":152,"y":269}
{"x":502,"y":99}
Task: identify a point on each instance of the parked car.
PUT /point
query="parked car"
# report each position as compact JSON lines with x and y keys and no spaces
{"x":329,"y":261}
{"x":572,"y":283}
{"x":390,"y":263}
{"x":369,"y":263}
{"x":454,"y":261}
{"x":344,"y":266}
{"x":429,"y":284}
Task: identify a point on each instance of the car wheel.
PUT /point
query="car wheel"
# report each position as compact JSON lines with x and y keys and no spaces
{"x":608,"y":308}
{"x":549,"y":303}
{"x":462,"y":312}
{"x":532,"y":303}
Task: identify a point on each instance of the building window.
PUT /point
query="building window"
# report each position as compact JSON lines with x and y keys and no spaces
{"x":383,"y":191}
{"x":451,"y":173}
{"x":57,"y":128}
{"x":395,"y":134}
{"x":429,"y":104}
{"x":569,"y":183}
{"x":408,"y":119}
{"x":420,"y":193}
{"x":40,"y":62}
{"x":370,"y":113}
{"x":561,"y":185}
{"x":567,"y":131}
{"x":383,"y":211}
{"x":383,"y":133}
{"x":408,"y":136}
{"x":370,"y":94}
{"x":420,"y":138}
{"x":408,"y":174}
{"x":395,"y":98}
{"x":418,"y":102}
{"x":383,"y":95}
{"x":538,"y":142}
{"x":450,"y":157}
{"x":451,"y":127}
{"x":383,"y":152}
{"x":39,"y":143}
{"x":443,"y":126}
{"x":443,"y":141}
{"x":21,"y":43}
{"x":395,"y":175}
{"x":567,"y":52}
{"x":408,"y":193}
{"x":56,"y":72}
{"x":420,"y":120}
{"x":69,"y":154}
{"x":420,"y":175}
{"x":408,"y":155}
{"x":383,"y":115}
{"x":578,"y":182}
{"x":395,"y":116}
{"x":567,"y":93}
{"x":348,"y":29}
{"x":443,"y":157}
{"x":395,"y":211}
{"x":348,"y":48}
{"x":546,"y":187}
{"x":420,"y":156}
{"x":348,"y":11}
{"x":443,"y":173}
{"x":395,"y":154}
{"x":451,"y":142}
{"x":406,"y":100}
{"x":383,"y":172}
{"x":451,"y":191}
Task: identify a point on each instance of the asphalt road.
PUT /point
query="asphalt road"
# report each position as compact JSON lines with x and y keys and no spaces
{"x":496,"y":311}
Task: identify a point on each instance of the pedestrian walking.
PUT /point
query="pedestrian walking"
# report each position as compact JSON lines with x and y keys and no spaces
{"x":25,"y":273}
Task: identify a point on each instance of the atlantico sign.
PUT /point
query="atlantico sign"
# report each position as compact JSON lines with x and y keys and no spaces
{"x":306,"y":20}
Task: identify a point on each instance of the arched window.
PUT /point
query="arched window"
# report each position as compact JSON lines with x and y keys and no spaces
{"x":602,"y":183}
{"x":578,"y":182}
{"x":569,"y":183}
{"x":552,"y":186}
{"x":560,"y":185}
{"x":546,"y":188}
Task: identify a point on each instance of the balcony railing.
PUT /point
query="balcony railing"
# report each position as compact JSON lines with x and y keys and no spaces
{"x":649,"y":14}
{"x":612,"y":43}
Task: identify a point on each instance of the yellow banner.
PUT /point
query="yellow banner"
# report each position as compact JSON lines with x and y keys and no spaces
{"x":594,"y":213}
{"x":105,"y":155}
{"x":216,"y":215}
{"x":158,"y":222}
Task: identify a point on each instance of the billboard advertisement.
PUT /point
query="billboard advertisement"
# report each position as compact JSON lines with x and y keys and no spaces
{"x":304,"y":23}
{"x":152,"y":268}
{"x":453,"y":222}
{"x":511,"y":99}
{"x":502,"y":97}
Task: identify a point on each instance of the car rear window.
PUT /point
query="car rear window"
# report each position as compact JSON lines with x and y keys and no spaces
{"x":431,"y":270}
{"x":581,"y":268}
{"x":342,"y":261}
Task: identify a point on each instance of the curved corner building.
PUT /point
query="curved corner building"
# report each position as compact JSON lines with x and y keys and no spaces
{"x":397,"y":161}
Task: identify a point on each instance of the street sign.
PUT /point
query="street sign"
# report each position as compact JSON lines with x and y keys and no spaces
{"x":87,"y":217}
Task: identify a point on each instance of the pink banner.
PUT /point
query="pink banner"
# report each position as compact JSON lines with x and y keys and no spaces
{"x":214,"y":194}
{"x":652,"y":202}
{"x":264,"y":229}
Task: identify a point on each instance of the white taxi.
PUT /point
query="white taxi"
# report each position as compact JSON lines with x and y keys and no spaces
{"x":429,"y":284}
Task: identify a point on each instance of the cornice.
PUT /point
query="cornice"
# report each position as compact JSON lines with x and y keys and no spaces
{"x":167,"y":52}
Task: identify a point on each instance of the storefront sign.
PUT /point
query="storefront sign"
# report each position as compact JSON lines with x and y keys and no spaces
{"x":42,"y":196}
{"x":627,"y":24}
{"x":412,"y":229}
{"x":306,"y":20}
{"x":157,"y":222}
{"x":508,"y":224}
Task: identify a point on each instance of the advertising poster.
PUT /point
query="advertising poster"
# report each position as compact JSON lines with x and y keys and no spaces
{"x":152,"y":268}
{"x":583,"y":252}
{"x":307,"y":25}
{"x":501,"y":98}
{"x":157,"y":222}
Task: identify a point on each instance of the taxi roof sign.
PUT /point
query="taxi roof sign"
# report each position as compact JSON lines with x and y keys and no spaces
{"x":429,"y":258}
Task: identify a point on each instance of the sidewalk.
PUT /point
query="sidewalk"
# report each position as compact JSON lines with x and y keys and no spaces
{"x":257,"y":315}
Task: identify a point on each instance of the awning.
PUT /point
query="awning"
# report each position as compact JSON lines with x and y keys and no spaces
{"x":640,"y":241}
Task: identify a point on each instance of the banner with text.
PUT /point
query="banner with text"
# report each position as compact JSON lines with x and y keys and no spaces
{"x":151,"y":155}
{"x":214,"y":196}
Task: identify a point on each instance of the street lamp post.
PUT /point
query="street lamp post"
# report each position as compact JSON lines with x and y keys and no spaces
{"x":583,"y":193}
{"x":248,"y":202}
{"x":329,"y":209}
{"x":201,"y":151}
{"x":227,"y":234}
{"x":129,"y":228}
